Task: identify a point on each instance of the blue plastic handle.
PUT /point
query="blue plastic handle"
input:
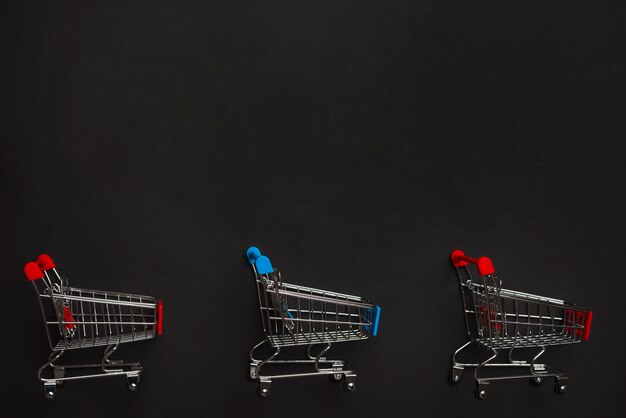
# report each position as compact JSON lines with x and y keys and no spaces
{"x":375,"y":321}
{"x":252,"y":254}
{"x":263,"y":265}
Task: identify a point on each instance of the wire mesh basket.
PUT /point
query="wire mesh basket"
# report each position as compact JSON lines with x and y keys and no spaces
{"x":76,"y":318}
{"x":502,"y":319}
{"x":294,"y":315}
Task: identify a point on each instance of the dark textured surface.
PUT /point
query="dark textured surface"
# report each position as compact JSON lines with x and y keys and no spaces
{"x":146,"y":145}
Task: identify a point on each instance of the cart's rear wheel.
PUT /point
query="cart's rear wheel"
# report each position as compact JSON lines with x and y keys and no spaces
{"x":252,"y":375}
{"x":349,"y":386}
{"x":537,"y":380}
{"x":455,"y":376}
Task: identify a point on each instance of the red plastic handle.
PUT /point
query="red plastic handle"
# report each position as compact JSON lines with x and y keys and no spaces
{"x":484,"y":264}
{"x":159,"y":321}
{"x":32,"y":271}
{"x":587,"y":330}
{"x":45,"y":262}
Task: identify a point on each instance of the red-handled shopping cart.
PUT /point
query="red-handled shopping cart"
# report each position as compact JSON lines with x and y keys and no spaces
{"x":76,"y":318}
{"x":502,"y":319}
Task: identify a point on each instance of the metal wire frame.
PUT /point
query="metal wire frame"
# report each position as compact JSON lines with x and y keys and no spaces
{"x":294,"y":315}
{"x":299,"y":315}
{"x":497,"y":318}
{"x":511,"y":319}
{"x":76,"y":318}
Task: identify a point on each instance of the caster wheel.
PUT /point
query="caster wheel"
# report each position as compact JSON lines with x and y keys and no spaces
{"x":50,"y":391}
{"x":336,"y":377}
{"x":481,"y":391}
{"x":560,"y":388}
{"x":349,"y":386}
{"x":480,"y":394}
{"x":133,"y":383}
{"x":536,"y":380}
{"x":252,"y":374}
{"x":263,"y":392}
{"x":560,"y":385}
{"x":455,"y":376}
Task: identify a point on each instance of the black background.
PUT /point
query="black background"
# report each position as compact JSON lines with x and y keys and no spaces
{"x":147,"y":144}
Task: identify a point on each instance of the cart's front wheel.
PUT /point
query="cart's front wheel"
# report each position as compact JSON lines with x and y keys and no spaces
{"x":252,"y":375}
{"x":50,"y":391}
{"x":349,"y":386}
{"x":481,"y":391}
{"x":133,"y":383}
{"x":262,"y":392}
{"x":537,"y":380}
{"x":480,"y":394}
{"x":560,"y":385}
{"x":560,"y":388}
{"x":336,"y":377}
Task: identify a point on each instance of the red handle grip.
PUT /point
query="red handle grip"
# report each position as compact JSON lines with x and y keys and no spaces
{"x":484,"y":264}
{"x":32,"y":271}
{"x":159,"y":318}
{"x":45,"y":262}
{"x":587,"y":331}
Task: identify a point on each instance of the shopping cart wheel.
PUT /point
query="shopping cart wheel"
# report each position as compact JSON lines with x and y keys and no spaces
{"x":560,"y":385}
{"x":350,"y":383}
{"x":537,"y":380}
{"x":481,"y":390}
{"x":455,"y":376}
{"x":264,"y":389}
{"x":336,"y":377}
{"x":133,"y":382}
{"x":50,"y":390}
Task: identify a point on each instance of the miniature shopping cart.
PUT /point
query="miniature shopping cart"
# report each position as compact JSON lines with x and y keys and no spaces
{"x":302,"y":316}
{"x":502,"y":319}
{"x":81,"y":318}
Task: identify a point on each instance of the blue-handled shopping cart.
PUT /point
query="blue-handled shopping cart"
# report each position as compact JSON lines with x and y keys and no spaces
{"x":294,"y":315}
